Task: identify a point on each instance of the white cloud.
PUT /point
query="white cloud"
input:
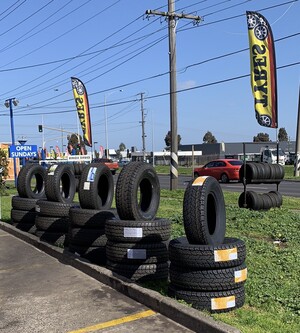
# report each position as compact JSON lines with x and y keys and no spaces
{"x":186,"y":84}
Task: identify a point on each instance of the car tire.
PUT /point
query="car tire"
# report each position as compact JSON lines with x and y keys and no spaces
{"x":212,"y":301}
{"x":50,"y":223}
{"x":87,"y":237}
{"x":224,"y":178}
{"x":27,"y":174}
{"x":22,"y":216}
{"x":208,"y":279}
{"x":204,"y":215}
{"x":27,"y":227}
{"x":58,"y":239}
{"x":20,"y":203}
{"x":232,"y":252}
{"x":90,"y":218}
{"x":140,"y":273}
{"x":137,"y":253}
{"x":60,"y":183}
{"x":253,"y":200}
{"x":96,"y":188}
{"x":53,"y":208}
{"x":137,"y":178}
{"x":127,"y":231}
{"x":94,"y":254}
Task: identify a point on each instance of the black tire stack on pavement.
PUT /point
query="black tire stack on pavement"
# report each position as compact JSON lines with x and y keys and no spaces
{"x":257,"y":173}
{"x":87,"y":233}
{"x":136,"y":246}
{"x":30,"y":187}
{"x":207,"y":269}
{"x":52,"y":221}
{"x":23,"y":213}
{"x":87,"y":223}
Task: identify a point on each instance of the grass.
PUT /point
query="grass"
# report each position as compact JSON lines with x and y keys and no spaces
{"x":273,"y":259}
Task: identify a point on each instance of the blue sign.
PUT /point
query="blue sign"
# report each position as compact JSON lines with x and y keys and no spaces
{"x":23,"y":151}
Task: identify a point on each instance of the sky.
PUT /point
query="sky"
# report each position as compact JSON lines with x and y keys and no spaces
{"x":121,"y":55}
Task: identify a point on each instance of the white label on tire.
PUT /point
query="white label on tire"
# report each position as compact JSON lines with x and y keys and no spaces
{"x":223,"y":303}
{"x":86,"y":185}
{"x":225,"y":255}
{"x":52,"y":169}
{"x":133,"y":232}
{"x":199,"y":181}
{"x":37,"y":209}
{"x":240,"y":276}
{"x":136,"y":254}
{"x":91,"y":174}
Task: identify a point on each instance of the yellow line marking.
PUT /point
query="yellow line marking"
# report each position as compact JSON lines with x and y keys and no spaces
{"x":115,"y":322}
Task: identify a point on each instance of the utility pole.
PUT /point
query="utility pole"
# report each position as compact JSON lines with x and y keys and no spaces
{"x":297,"y":150}
{"x":143,"y":127}
{"x":172,"y":16}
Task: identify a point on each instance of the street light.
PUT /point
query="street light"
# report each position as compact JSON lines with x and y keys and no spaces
{"x":105,"y":114}
{"x":8,"y":103}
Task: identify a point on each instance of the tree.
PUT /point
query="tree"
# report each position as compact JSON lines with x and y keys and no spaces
{"x":122,"y":147}
{"x":261,"y":137}
{"x":3,"y":166}
{"x":209,"y":138}
{"x":76,"y":142}
{"x":168,"y":139}
{"x":282,"y":135}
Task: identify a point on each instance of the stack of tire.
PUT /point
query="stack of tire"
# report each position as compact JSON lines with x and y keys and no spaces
{"x":78,"y":167}
{"x":30,"y":187}
{"x":52,"y":221}
{"x":137,"y":241}
{"x":87,"y":223}
{"x":257,"y":173}
{"x":207,"y":269}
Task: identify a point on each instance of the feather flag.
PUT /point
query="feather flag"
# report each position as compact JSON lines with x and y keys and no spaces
{"x":83,"y":110}
{"x":263,"y":69}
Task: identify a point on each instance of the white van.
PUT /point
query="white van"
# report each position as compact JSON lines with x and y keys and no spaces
{"x":269,"y":155}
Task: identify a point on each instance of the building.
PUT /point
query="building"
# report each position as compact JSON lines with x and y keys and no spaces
{"x":10,"y":176}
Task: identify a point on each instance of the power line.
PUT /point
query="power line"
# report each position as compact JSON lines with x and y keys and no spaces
{"x":18,"y":41}
{"x":11,"y":10}
{"x":27,"y":18}
{"x":164,"y":94}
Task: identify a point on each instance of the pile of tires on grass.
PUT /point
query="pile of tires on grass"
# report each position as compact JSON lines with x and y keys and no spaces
{"x":130,"y":240}
{"x":258,"y":173}
{"x":207,"y":269}
{"x":136,"y":246}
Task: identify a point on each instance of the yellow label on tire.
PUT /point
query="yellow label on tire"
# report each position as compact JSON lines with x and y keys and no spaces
{"x":223,"y":303}
{"x":225,"y":255}
{"x":199,"y":181}
{"x":240,"y":276}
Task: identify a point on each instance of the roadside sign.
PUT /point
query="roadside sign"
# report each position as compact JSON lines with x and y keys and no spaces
{"x":23,"y":151}
{"x":79,"y":158}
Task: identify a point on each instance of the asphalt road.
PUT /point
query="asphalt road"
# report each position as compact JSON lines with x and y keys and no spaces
{"x":288,"y":188}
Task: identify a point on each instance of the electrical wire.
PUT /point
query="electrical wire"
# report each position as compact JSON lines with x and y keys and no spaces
{"x":168,"y":93}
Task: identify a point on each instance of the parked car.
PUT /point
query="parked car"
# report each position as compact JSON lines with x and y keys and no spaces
{"x":223,"y":170}
{"x":113,"y":166}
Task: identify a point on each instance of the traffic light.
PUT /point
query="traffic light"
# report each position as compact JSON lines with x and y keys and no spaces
{"x":40,"y":128}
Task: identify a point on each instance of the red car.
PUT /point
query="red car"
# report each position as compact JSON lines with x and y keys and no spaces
{"x":222,"y":169}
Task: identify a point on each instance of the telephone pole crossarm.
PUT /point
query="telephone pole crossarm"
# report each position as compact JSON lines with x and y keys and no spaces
{"x":174,"y":15}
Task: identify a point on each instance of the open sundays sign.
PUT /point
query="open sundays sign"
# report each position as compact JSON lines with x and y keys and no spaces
{"x":23,"y":151}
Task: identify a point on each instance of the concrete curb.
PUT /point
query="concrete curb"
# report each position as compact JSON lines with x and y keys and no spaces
{"x":191,"y":318}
